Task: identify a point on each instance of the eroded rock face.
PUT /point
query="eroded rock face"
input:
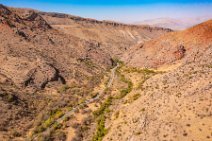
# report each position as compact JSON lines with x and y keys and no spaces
{"x":37,"y":20}
{"x":5,"y":80}
{"x":180,"y":53}
{"x":24,"y":23}
{"x":6,"y":17}
{"x":36,"y":74}
{"x":4,"y":10}
{"x":42,"y":75}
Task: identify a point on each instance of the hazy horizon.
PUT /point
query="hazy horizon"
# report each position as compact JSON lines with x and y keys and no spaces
{"x":121,"y":11}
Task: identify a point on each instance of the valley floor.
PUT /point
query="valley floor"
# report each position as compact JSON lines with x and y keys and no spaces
{"x":144,"y":104}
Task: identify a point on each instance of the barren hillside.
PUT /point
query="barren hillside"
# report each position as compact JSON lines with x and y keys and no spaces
{"x":114,"y":38}
{"x":172,"y":102}
{"x":46,"y":70}
{"x":184,"y":46}
{"x":169,"y":103}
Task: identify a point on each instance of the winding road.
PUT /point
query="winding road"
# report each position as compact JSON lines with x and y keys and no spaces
{"x":109,"y":84}
{"x":69,"y":113}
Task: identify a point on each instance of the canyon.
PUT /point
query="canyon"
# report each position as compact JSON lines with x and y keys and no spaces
{"x":64,"y":77}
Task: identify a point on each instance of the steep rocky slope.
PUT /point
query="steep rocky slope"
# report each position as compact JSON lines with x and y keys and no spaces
{"x":114,"y":38}
{"x":169,"y":105}
{"x":34,"y":56}
{"x":174,"y":102}
{"x":32,"y":52}
{"x":185,"y":46}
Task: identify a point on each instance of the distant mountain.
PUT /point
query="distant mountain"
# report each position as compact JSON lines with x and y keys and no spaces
{"x":176,"y":24}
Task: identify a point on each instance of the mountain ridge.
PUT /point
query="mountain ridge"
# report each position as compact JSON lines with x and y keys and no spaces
{"x":175,"y":24}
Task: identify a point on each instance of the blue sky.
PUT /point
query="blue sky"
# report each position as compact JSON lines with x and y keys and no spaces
{"x":120,"y":10}
{"x":109,"y":2}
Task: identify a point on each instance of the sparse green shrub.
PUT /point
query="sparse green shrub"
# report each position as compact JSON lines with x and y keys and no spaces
{"x":39,"y":129}
{"x":116,"y":61}
{"x":143,"y":109}
{"x":93,"y":95}
{"x":127,"y":90}
{"x":138,"y":70}
{"x":101,"y":130}
{"x":138,"y":133}
{"x":59,"y":136}
{"x":103,"y":107}
{"x":145,"y":78}
{"x":148,"y":71}
{"x":10,"y":98}
{"x":90,"y":64}
{"x":81,"y":101}
{"x":53,"y":116}
{"x":63,"y":89}
{"x":136,"y":96}
{"x":67,"y":119}
{"x":123,"y":93}
{"x":16,"y":134}
{"x":100,"y":114}
{"x":56,"y":113}
{"x":107,"y":81}
{"x":95,"y":80}
{"x":45,"y":137}
{"x":210,"y":66}
{"x":178,"y":95}
{"x":48,"y":122}
{"x":56,"y":126}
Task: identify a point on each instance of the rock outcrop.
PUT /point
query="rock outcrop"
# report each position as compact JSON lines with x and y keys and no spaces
{"x":40,"y":76}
